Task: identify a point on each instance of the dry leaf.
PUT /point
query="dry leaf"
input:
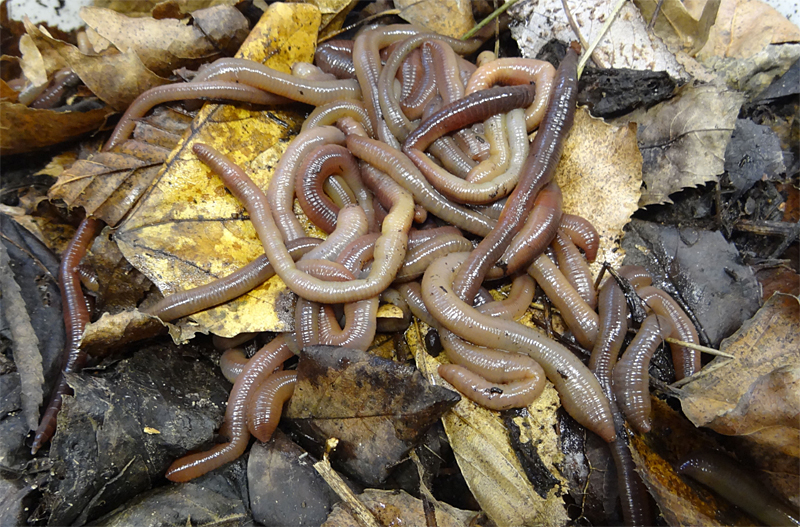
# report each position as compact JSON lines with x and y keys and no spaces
{"x":656,"y":455}
{"x":353,"y":396}
{"x":490,"y":465}
{"x":683,"y":140}
{"x":754,"y":394}
{"x":188,"y":230}
{"x":169,"y":44}
{"x":146,"y":7}
{"x":112,"y":332}
{"x":676,"y":21}
{"x":452,"y":18}
{"x":600,"y":175}
{"x":333,"y":13}
{"x":626,"y":45}
{"x":108,"y":184}
{"x":116,"y":78}
{"x":396,"y":507}
{"x":746,"y":27}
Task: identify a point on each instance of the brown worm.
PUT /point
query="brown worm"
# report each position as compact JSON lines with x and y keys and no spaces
{"x":239,"y":282}
{"x":582,"y":233}
{"x":514,"y":394}
{"x":538,"y":171}
{"x":389,"y":249}
{"x":265,"y":404}
{"x":264,"y":78}
{"x":225,"y":343}
{"x":217,"y":90}
{"x":418,"y":258}
{"x":258,"y":368}
{"x":358,"y":252}
{"x":232,"y":362}
{"x":637,"y":275}
{"x":51,"y":97}
{"x":724,"y":476}
{"x":336,"y":57}
{"x":499,"y":149}
{"x":413,"y":104}
{"x":581,"y":394}
{"x":685,"y":360}
{"x":329,"y":113}
{"x":575,"y":268}
{"x":578,"y":316}
{"x":515,"y":304}
{"x":512,"y":71}
{"x":76,"y":316}
{"x":631,"y":378}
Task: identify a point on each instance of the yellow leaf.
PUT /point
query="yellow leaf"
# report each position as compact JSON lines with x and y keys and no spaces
{"x":480,"y":441}
{"x":188,"y":230}
{"x":600,"y":175}
{"x":452,"y":18}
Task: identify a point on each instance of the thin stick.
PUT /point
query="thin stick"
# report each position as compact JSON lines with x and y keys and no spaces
{"x":574,"y":25}
{"x":496,"y":13}
{"x":698,"y":347}
{"x":655,"y":15}
{"x":361,"y":513}
{"x":603,"y":31}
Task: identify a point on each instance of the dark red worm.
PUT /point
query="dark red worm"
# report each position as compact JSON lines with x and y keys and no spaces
{"x":575,"y":268}
{"x":582,"y":233}
{"x":336,"y":57}
{"x":76,"y":316}
{"x":539,"y":169}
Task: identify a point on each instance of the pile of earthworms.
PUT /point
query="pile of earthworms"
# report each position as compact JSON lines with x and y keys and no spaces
{"x":406,"y":131}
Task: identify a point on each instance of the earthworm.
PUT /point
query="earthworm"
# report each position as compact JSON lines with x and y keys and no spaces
{"x":515,"y":304}
{"x":232,"y":362}
{"x":258,"y":368}
{"x":581,"y":394}
{"x":514,"y":394}
{"x":637,"y":275}
{"x":575,"y":268}
{"x":336,"y":57}
{"x":415,"y":102}
{"x":265,"y":404}
{"x":512,"y":71}
{"x":52,"y":95}
{"x":359,"y":252}
{"x":269,"y":80}
{"x":84,"y":44}
{"x":76,"y":316}
{"x":537,"y":232}
{"x":410,"y":74}
{"x":685,"y":360}
{"x":328,"y":114}
{"x":633,"y":494}
{"x":723,"y":475}
{"x":403,"y":171}
{"x":221,"y":290}
{"x":582,"y":233}
{"x":325,"y":270}
{"x":537,"y":172}
{"x":445,"y":148}
{"x":389,"y":249}
{"x":308,"y":71}
{"x":280,"y":191}
{"x":578,"y":316}
{"x":225,"y":343}
{"x":229,"y":91}
{"x":393,"y":325}
{"x":352,"y":224}
{"x":338,"y":191}
{"x":412,"y":294}
{"x":360,"y":325}
{"x":630,"y":375}
{"x":306,"y":322}
{"x":499,"y":150}
{"x":321,"y":163}
{"x":418,"y":258}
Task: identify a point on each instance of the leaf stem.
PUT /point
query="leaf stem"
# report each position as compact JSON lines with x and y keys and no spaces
{"x":496,"y":13}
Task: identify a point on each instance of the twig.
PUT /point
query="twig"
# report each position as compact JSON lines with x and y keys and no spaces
{"x":655,"y":15}
{"x":603,"y":31}
{"x":698,"y":347}
{"x":574,"y":25}
{"x":496,"y":13}
{"x":361,"y":513}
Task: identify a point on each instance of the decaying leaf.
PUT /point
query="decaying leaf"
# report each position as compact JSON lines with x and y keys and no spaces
{"x":755,"y":394}
{"x":452,"y":18}
{"x":25,"y":343}
{"x":112,"y":332}
{"x":108,"y":184}
{"x":188,"y":230}
{"x":492,"y":469}
{"x":169,"y":44}
{"x":683,"y":140}
{"x":333,"y":14}
{"x":745,"y":27}
{"x":147,"y":7}
{"x":601,"y":165}
{"x":396,"y":507}
{"x":378,"y":409}
{"x":626,"y":45}
{"x":657,"y":455}
{"x":674,"y":18}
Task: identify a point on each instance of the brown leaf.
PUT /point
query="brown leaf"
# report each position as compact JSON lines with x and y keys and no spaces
{"x":113,"y":332}
{"x":396,"y":507}
{"x":378,"y":409}
{"x":146,"y":7}
{"x":683,"y":140}
{"x":656,"y":455}
{"x":24,"y":129}
{"x":676,"y":21}
{"x":169,"y":44}
{"x":452,"y":18}
{"x":188,"y":230}
{"x":601,"y":165}
{"x":108,"y":184}
{"x":754,"y":394}
{"x":333,"y":13}
{"x":116,"y":78}
{"x":490,"y":465}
